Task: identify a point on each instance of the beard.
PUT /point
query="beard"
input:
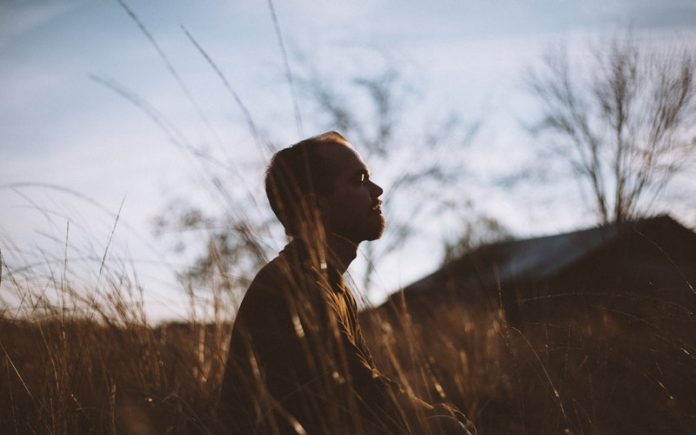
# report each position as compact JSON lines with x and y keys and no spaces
{"x":371,"y":227}
{"x":377,"y":229}
{"x":358,"y":228}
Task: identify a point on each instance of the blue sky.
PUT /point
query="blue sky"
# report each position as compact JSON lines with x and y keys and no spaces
{"x":59,"y":127}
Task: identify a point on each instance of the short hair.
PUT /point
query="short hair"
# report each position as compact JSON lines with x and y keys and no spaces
{"x":294,"y":173}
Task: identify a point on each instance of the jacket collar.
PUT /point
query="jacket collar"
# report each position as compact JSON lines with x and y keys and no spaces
{"x":298,"y":252}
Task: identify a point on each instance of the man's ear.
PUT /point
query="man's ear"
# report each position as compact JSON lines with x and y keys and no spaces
{"x":319,"y":202}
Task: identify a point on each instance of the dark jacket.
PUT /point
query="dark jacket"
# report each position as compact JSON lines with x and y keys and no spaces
{"x":298,"y":357}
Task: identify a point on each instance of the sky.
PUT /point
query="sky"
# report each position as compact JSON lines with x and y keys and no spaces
{"x":75,"y":154}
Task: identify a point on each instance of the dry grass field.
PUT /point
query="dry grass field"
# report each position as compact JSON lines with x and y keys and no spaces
{"x":99,"y":367}
{"x":587,"y":370}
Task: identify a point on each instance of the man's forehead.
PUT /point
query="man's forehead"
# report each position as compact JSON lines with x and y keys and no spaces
{"x":342,"y":156}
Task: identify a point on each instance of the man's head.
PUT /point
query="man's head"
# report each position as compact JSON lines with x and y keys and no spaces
{"x":323,"y":180}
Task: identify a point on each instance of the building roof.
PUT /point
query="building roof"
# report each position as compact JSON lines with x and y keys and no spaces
{"x":536,"y":259}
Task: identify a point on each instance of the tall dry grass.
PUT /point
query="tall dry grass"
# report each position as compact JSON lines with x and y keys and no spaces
{"x":91,"y":362}
{"x":88,"y":360}
{"x":586,"y":369}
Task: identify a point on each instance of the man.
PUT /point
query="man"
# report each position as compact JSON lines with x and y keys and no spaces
{"x":298,"y":362}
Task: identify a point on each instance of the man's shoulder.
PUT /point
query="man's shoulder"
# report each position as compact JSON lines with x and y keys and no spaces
{"x":282,"y":279}
{"x":268,"y":280}
{"x":289,"y":267}
{"x":263,"y":299}
{"x":274,"y":289}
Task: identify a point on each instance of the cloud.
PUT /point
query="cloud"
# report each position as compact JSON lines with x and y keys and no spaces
{"x":19,"y":18}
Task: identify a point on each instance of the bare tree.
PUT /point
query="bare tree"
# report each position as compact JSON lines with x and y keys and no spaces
{"x":624,"y":122}
{"x":478,"y":230}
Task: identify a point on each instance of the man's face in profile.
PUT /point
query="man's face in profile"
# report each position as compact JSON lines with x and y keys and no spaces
{"x":353,"y":208}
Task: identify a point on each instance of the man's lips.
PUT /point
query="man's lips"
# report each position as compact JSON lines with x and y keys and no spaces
{"x":377,"y":207}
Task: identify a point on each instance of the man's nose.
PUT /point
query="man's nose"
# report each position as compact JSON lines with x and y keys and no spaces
{"x":376,"y":189}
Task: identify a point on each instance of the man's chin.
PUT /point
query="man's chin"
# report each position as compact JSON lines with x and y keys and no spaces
{"x":367,"y":233}
{"x":373,"y":237}
{"x":377,"y":232}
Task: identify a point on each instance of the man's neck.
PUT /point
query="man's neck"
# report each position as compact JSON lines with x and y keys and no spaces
{"x":342,"y":252}
{"x":338,"y":252}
